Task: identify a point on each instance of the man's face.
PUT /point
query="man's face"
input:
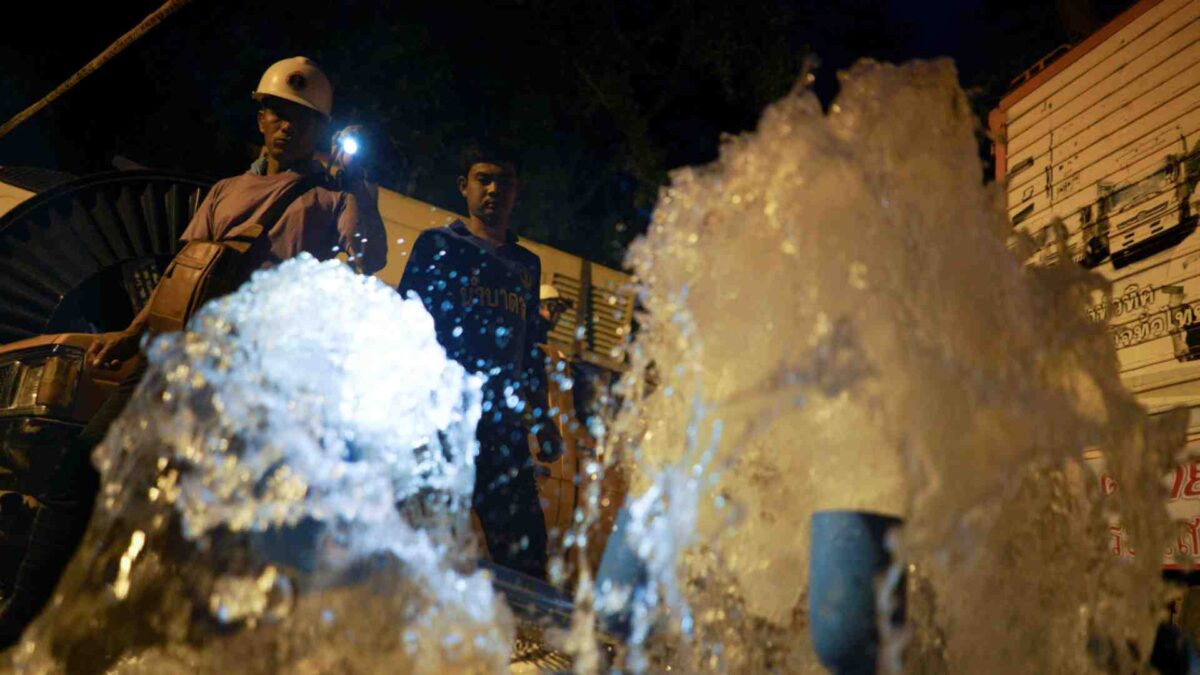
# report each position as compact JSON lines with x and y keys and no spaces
{"x":551,"y":311}
{"x":290,"y":130}
{"x":490,"y":190}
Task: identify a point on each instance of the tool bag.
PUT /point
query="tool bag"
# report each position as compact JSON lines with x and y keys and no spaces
{"x":204,"y":270}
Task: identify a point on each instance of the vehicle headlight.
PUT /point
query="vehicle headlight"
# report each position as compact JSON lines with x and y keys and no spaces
{"x":35,"y":382}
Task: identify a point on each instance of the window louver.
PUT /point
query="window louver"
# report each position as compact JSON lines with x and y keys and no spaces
{"x":604,"y":331}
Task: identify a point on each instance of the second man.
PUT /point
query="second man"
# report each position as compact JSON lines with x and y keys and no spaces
{"x":481,"y":287}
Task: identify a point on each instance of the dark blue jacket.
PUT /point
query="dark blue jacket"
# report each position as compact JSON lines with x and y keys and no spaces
{"x":484,"y":302}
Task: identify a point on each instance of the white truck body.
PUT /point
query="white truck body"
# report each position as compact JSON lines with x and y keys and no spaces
{"x":1105,"y":140}
{"x":10,"y":196}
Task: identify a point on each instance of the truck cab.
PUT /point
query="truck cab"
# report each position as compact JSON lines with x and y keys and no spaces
{"x":1144,"y":216}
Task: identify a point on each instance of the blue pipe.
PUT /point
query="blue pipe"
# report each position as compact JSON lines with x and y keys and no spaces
{"x":846,"y":556}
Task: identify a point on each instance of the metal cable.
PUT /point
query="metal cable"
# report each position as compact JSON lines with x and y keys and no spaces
{"x":168,"y":8}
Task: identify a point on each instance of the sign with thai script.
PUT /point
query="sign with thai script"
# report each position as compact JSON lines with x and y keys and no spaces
{"x":1183,"y":505}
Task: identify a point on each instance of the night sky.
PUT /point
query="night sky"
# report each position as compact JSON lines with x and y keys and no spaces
{"x":603,"y":99}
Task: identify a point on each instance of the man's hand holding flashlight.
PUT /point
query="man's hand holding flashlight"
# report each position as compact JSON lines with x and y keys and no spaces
{"x":346,"y":146}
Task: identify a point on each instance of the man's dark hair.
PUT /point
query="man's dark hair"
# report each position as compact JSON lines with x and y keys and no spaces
{"x":490,"y":152}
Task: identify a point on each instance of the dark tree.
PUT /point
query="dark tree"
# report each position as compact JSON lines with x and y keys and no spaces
{"x":604,"y":97}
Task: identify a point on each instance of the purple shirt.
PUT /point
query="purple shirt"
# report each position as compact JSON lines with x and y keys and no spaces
{"x":320,"y":222}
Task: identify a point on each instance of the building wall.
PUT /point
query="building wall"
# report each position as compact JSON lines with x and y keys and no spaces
{"x":1099,"y":155}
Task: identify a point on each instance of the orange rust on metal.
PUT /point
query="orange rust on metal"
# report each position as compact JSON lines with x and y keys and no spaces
{"x":997,"y":129}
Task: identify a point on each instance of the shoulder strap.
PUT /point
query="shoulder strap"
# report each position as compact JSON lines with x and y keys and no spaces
{"x":291,"y":194}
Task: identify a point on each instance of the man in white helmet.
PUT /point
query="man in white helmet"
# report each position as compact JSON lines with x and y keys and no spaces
{"x":551,"y":309}
{"x":332,"y":212}
{"x":295,"y":100}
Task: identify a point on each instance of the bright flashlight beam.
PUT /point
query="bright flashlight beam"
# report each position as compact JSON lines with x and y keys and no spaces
{"x":350,"y":145}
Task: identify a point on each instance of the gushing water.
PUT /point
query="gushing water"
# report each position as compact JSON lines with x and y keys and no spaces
{"x":249,"y":520}
{"x":837,"y":316}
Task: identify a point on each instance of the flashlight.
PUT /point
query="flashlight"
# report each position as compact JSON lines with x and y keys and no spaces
{"x":350,"y":145}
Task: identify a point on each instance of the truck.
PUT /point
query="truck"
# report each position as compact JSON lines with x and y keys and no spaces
{"x":1097,"y":147}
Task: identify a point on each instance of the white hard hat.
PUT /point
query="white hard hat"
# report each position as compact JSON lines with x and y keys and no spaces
{"x":298,"y":80}
{"x":550,"y":292}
